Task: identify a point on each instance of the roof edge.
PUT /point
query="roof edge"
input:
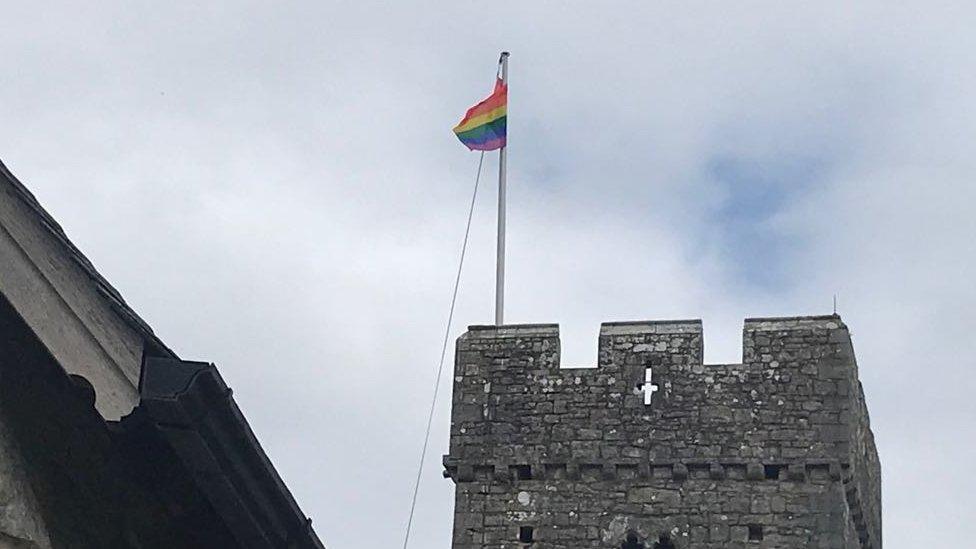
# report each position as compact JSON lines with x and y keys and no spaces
{"x":154,"y":345}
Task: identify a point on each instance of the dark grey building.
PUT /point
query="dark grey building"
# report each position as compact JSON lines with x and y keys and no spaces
{"x":653,"y":449}
{"x":107,"y":438}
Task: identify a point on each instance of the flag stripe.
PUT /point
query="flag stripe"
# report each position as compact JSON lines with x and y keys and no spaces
{"x":484,"y":126}
{"x":484,"y":133}
{"x":497,"y":99}
{"x":487,"y":145}
{"x":495,"y":127}
{"x":485,"y":118}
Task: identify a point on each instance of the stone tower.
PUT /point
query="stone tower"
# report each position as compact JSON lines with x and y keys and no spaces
{"x":652,"y":449}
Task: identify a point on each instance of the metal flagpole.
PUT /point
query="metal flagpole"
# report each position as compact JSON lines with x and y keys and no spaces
{"x":500,"y":261}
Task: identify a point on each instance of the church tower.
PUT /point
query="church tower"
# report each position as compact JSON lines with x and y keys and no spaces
{"x":653,"y":449}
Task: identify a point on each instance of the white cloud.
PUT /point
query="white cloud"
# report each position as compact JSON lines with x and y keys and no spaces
{"x":276,"y":189}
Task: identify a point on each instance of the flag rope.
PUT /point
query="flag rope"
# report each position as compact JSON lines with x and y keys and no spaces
{"x":440,"y":366}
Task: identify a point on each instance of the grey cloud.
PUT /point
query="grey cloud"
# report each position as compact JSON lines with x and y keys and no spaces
{"x":276,"y":189}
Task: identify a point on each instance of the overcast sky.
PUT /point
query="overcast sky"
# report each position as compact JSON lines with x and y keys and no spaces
{"x":274,"y":187}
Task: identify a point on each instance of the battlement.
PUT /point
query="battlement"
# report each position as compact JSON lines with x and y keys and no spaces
{"x":651,"y":374}
{"x":652,"y":411}
{"x":651,"y":396}
{"x":655,"y":330}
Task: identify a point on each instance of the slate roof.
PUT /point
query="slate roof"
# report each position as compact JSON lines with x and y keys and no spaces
{"x":191,"y":406}
{"x":155,"y":346}
{"x":194,"y":410}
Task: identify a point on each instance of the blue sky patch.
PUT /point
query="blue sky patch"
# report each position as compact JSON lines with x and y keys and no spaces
{"x":755,"y":191}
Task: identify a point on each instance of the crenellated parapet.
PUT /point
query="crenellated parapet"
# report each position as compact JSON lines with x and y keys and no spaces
{"x":650,"y":412}
{"x":651,"y":397}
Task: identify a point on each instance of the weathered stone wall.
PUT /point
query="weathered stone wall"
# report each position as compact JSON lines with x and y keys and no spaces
{"x":780,"y":443}
{"x":21,"y":521}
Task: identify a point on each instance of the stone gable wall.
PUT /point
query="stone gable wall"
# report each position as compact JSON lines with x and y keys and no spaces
{"x":21,"y":522}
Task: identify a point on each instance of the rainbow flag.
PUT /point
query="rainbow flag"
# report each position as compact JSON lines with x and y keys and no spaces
{"x":483,"y":126}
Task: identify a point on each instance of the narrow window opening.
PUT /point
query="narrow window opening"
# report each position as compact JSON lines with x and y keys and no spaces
{"x":525,"y":534}
{"x":664,"y":542}
{"x":648,"y":387}
{"x":523,"y":472}
{"x":755,"y":532}
{"x":632,"y":542}
{"x":771,"y":471}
